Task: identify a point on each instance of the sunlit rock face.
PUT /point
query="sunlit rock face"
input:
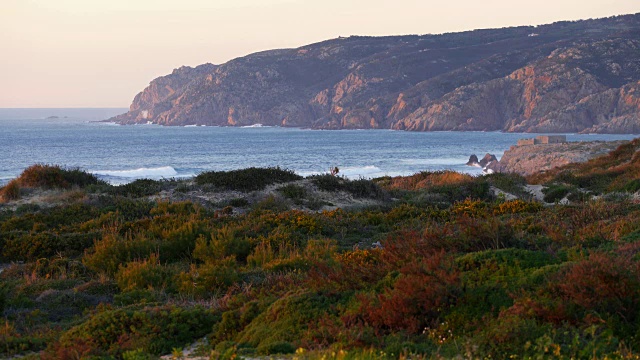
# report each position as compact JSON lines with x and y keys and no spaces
{"x":581,"y":76}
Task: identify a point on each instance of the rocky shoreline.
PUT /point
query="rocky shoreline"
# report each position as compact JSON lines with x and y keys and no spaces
{"x":573,"y":77}
{"x":529,"y":159}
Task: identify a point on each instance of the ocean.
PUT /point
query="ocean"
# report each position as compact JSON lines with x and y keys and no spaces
{"x":120,"y":154}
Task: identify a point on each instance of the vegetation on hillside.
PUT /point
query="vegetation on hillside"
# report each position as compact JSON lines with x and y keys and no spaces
{"x":438,"y":267}
{"x":619,"y":171}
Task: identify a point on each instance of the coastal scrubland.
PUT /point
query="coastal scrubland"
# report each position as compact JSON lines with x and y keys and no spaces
{"x":258,"y":262}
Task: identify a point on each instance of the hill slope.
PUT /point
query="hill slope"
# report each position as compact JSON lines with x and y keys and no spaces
{"x":563,"y":77}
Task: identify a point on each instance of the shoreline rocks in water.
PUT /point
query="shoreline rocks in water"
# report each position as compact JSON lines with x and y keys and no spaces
{"x":489,"y":163}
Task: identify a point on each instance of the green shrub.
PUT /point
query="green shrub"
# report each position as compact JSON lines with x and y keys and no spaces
{"x":139,"y":297}
{"x":632,"y":186}
{"x":362,"y":188}
{"x":555,"y":193}
{"x":155,"y":330}
{"x":137,"y":189}
{"x":30,"y":246}
{"x":477,"y":188}
{"x":64,"y":304}
{"x":137,"y":354}
{"x":246,"y":180}
{"x":278,"y":347}
{"x":286,"y":321}
{"x":293,"y":192}
{"x":238,"y":202}
{"x":80,"y":178}
{"x":328,"y":182}
{"x":3,"y":296}
{"x":271,"y":203}
{"x":113,"y":250}
{"x":145,"y":274}
{"x":509,"y":182}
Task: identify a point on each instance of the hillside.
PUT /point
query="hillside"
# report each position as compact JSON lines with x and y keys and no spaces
{"x":530,"y":159}
{"x":617,"y":171}
{"x":581,"y":76}
{"x":255,"y":263}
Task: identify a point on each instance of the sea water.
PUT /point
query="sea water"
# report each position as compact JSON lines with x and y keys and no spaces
{"x":120,"y":154}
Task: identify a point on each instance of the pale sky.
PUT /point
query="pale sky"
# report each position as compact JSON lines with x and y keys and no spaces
{"x":100,"y":53}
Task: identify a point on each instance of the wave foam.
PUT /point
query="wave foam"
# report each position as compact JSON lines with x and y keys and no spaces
{"x":255,"y":126}
{"x":368,"y":171}
{"x":159,"y":172}
{"x":435,"y":161}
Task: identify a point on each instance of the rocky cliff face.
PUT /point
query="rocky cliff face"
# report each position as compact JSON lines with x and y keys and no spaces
{"x":529,"y":159}
{"x":563,"y":77}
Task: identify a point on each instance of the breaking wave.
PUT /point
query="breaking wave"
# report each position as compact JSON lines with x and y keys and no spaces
{"x":152,"y":173}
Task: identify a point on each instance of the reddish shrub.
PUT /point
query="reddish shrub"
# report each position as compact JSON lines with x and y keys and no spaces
{"x":603,"y":283}
{"x":10,"y":192}
{"x":425,"y":288}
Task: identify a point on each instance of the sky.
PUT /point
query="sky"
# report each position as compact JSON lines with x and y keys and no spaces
{"x":101,"y":53}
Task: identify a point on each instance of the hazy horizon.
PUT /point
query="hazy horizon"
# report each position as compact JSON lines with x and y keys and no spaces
{"x":79,"y":54}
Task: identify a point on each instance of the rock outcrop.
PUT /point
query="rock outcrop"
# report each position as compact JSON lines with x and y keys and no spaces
{"x":581,"y":76}
{"x":487,"y":159}
{"x":489,"y":163}
{"x":473,"y":161}
{"x":529,"y":159}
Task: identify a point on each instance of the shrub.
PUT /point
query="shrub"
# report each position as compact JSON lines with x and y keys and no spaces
{"x":53,"y":176}
{"x":10,"y":192}
{"x":80,"y":178}
{"x":238,"y":202}
{"x":46,"y":176}
{"x":137,"y":354}
{"x":423,"y":290}
{"x":113,"y":250}
{"x":137,"y":189}
{"x":286,"y":321}
{"x":425,"y":180}
{"x":517,"y":206}
{"x":278,"y":347}
{"x":293,"y":192}
{"x":145,"y":274}
{"x":208,"y":279}
{"x":246,"y":180}
{"x":271,"y":203}
{"x":362,"y":188}
{"x":632,"y":186}
{"x":30,"y":246}
{"x":555,"y":193}
{"x":608,"y":285}
{"x":328,"y":182}
{"x":155,"y":330}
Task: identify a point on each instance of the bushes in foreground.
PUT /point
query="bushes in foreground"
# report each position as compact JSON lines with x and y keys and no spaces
{"x":474,"y":277}
{"x":156,"y":330}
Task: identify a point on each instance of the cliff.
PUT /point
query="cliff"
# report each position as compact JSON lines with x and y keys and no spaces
{"x":581,"y":76}
{"x":529,"y":159}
